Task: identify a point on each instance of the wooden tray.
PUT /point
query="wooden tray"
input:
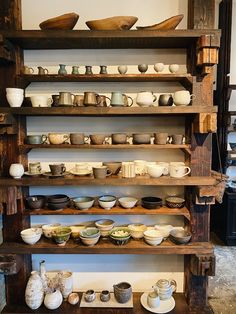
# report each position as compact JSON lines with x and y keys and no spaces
{"x":111,"y":303}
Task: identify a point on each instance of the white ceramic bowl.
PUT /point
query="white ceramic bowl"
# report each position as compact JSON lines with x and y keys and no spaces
{"x":137,"y":230}
{"x":153,"y":234}
{"x":48,"y":229}
{"x":155,"y":171}
{"x":104,"y":225}
{"x":31,"y":235}
{"x":153,"y":242}
{"x":11,"y":90}
{"x":128,"y":202}
{"x":84,"y":203}
{"x":89,"y":241}
{"x":107,"y":201}
{"x":164,"y":229}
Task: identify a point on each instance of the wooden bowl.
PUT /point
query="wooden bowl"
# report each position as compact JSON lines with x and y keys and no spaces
{"x":165,"y":25}
{"x":113,"y":23}
{"x":63,"y":22}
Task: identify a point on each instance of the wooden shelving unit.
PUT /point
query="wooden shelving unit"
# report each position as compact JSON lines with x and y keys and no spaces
{"x":201,"y":50}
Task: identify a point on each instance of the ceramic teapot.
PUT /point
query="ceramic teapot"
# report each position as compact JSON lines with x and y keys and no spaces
{"x":165,"y":288}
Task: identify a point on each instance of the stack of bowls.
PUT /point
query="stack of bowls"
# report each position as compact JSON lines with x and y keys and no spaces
{"x":104,"y":225}
{"x":57,"y":201}
{"x":90,"y":236}
{"x":107,"y":201}
{"x":153,"y":237}
{"x":120,"y":235}
{"x":48,"y":229}
{"x":137,"y":230}
{"x":83,"y":203}
{"x":15,"y":96}
{"x":75,"y":231}
{"x":31,"y":235}
{"x":180,"y":236}
{"x":61,"y":235}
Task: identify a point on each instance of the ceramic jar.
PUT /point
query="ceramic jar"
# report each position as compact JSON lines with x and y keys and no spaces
{"x":153,"y":299}
{"x":16,"y":170}
{"x":122,"y":292}
{"x":34,"y":292}
{"x":53,"y":300}
{"x":62,"y":69}
{"x":159,"y":67}
{"x":165,"y":288}
{"x":122,"y":69}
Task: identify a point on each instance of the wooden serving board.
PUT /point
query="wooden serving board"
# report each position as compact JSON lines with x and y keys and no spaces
{"x":111,"y":303}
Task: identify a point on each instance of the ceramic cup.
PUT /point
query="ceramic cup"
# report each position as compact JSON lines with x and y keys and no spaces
{"x":89,"y":296}
{"x":15,"y":96}
{"x":36,"y":139}
{"x":78,"y":138}
{"x":119,"y":99}
{"x":128,"y":169}
{"x":81,"y":167}
{"x":141,"y":138}
{"x":58,"y":138}
{"x":65,"y":283}
{"x":57,"y":169}
{"x":66,"y":99}
{"x":182,"y":98}
{"x":119,"y":138}
{"x":55,"y":99}
{"x":153,"y":299}
{"x":140,"y":167}
{"x":166,"y":166}
{"x":161,"y":138}
{"x":178,"y":139}
{"x":99,"y":139}
{"x":122,"y":69}
{"x":179,"y":171}
{"x":28,"y":70}
{"x":142,"y":68}
{"x":91,"y":99}
{"x":78,"y":100}
{"x":145,"y":99}
{"x":101,"y":172}
{"x":105,"y":296}
{"x":16,"y":171}
{"x":102,"y":101}
{"x":165,"y":100}
{"x":41,"y":101}
{"x":35,"y":167}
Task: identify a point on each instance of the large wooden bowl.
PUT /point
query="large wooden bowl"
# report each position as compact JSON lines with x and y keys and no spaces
{"x":166,"y":25}
{"x":113,"y":23}
{"x":63,"y":22}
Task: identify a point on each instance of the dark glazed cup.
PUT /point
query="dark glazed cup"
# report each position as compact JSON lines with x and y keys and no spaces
{"x":105,"y":296}
{"x":122,"y":292}
{"x":57,"y":169}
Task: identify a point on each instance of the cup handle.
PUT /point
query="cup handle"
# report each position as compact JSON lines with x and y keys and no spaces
{"x":154,"y":98}
{"x":173,"y":284}
{"x":192,"y":96}
{"x":46,"y":71}
{"x":183,"y":140}
{"x":168,"y":140}
{"x":86,"y":139}
{"x":109,"y":100}
{"x":44,"y":138}
{"x":109,"y":173}
{"x":106,"y":140}
{"x":99,"y":99}
{"x":129,"y":105}
{"x":189,"y":170}
{"x":63,"y":169}
{"x":66,"y":137}
{"x":50,"y":101}
{"x":31,"y":69}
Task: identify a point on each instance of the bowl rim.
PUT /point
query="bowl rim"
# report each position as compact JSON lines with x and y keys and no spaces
{"x":145,"y":199}
{"x":107,"y":195}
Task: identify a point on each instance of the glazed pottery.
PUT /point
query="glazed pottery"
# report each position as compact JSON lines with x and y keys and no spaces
{"x":161,"y":138}
{"x":128,"y":169}
{"x":57,"y":169}
{"x":14,"y":90}
{"x":128,"y":202}
{"x":62,"y":69}
{"x":42,"y":71}
{"x":53,"y":300}
{"x":155,"y":171}
{"x":175,"y":202}
{"x":43,"y":276}
{"x":61,"y":235}
{"x":88,"y":70}
{"x":31,"y":235}
{"x":151,"y":202}
{"x":153,"y":299}
{"x":75,"y":231}
{"x":122,"y":69}
{"x":82,"y":168}
{"x":122,"y":292}
{"x":58,"y":138}
{"x":153,"y":237}
{"x":140,"y":167}
{"x":28,"y":70}
{"x":119,"y":99}
{"x":62,"y":22}
{"x":107,"y":201}
{"x":91,"y":99}
{"x":141,"y":138}
{"x":164,"y":229}
{"x":35,"y":201}
{"x":16,"y":170}
{"x":65,"y":283}
{"x":89,"y":296}
{"x":113,"y":23}
{"x":35,"y":167}
{"x":66,"y":99}
{"x":105,"y":296}
{"x":98,"y":139}
{"x":15,"y":96}
{"x":179,"y":171}
{"x":103,"y":69}
{"x":182,"y":98}
{"x":55,"y":99}
{"x":159,"y":67}
{"x":165,"y":100}
{"x":142,"y":68}
{"x":73,"y":298}
{"x":119,"y":138}
{"x":48,"y":229}
{"x":36,"y":139}
{"x":179,"y":236}
{"x":41,"y":101}
{"x":137,"y":230}
{"x":75,"y":70}
{"x":83,"y":203}
{"x":145,"y":99}
{"x":173,"y":68}
{"x":178,"y":139}
{"x":164,"y":288}
{"x":34,"y":292}
{"x":113,"y":166}
{"x":104,"y":225}
{"x":101,"y":172}
{"x":78,"y":100}
{"x":102,"y":99}
{"x":78,"y":138}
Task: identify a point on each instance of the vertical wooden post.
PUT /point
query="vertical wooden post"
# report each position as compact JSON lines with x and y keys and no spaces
{"x":201,"y":14}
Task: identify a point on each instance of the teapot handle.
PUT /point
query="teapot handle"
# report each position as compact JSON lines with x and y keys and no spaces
{"x":173,"y":284}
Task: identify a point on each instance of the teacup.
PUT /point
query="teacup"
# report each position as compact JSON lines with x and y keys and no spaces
{"x":159,"y":67}
{"x":78,"y":100}
{"x":179,"y":171}
{"x":102,"y":99}
{"x":141,"y":138}
{"x":182,"y":98}
{"x":57,"y":169}
{"x":128,"y":169}
{"x":119,"y":99}
{"x":156,"y":171}
{"x":145,"y":99}
{"x":153,"y":299}
{"x":89,"y":296}
{"x":34,"y":167}
{"x":173,"y":68}
{"x":165,"y":100}
{"x":140,"y":167}
{"x":161,"y":138}
{"x":101,"y":172}
{"x":99,"y":139}
{"x":41,"y":101}
{"x":119,"y":138}
{"x":78,"y":138}
{"x":178,"y":139}
{"x":36,"y":139}
{"x":105,"y":296}
{"x":58,"y":138}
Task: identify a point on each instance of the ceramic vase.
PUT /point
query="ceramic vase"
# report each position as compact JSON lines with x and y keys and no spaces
{"x":53,"y":300}
{"x":62,"y":69}
{"x":16,"y":171}
{"x":34,"y":292}
{"x":43,"y":276}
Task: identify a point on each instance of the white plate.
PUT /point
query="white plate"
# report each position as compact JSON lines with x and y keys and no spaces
{"x":80,"y":173}
{"x":27,"y":173}
{"x":164,"y":307}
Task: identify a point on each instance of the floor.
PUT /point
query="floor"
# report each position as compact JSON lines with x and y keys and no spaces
{"x":222,"y":287}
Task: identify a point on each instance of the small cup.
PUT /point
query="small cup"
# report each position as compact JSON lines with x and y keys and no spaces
{"x":55,"y":99}
{"x":179,"y":171}
{"x":159,"y":67}
{"x":182,"y":98}
{"x":165,"y":100}
{"x":99,"y":139}
{"x":122,"y":69}
{"x":105,"y":296}
{"x":142,"y":68}
{"x":119,"y":138}
{"x":36,"y":139}
{"x":101,"y":172}
{"x":57,"y":169}
{"x":78,"y":100}
{"x":78,"y":138}
{"x":140,"y":167}
{"x":58,"y":138}
{"x":89,"y":296}
{"x":128,"y":169}
{"x":41,"y":101}
{"x":35,"y":167}
{"x":161,"y":138}
{"x":153,"y":299}
{"x":178,"y":139}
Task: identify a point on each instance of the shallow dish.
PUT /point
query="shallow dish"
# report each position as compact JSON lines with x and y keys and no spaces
{"x":175,"y":202}
{"x":168,"y":24}
{"x":83,"y":203}
{"x":179,"y":236}
{"x":128,"y":202}
{"x":81,"y":173}
{"x":35,"y":201}
{"x":27,"y":173}
{"x":151,"y":202}
{"x":66,"y":22}
{"x":112,"y":23}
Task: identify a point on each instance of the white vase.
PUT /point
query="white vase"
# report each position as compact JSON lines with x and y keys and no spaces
{"x":16,"y":171}
{"x":34,"y":293}
{"x":43,"y":276}
{"x":53,"y":300}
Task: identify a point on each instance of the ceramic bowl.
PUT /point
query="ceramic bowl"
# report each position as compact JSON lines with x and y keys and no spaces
{"x":137,"y":230}
{"x":153,"y":242}
{"x":57,"y":206}
{"x":121,"y":241}
{"x":31,"y":235}
{"x":164,"y":229}
{"x":57,"y":198}
{"x":232,"y":146}
{"x":90,"y":232}
{"x":128,"y":202}
{"x":152,"y":234}
{"x":83,"y":203}
{"x":75,"y":231}
{"x":120,"y":232}
{"x":179,"y":236}
{"x":107,"y":201}
{"x":155,"y":171}
{"x":35,"y":201}
{"x":61,"y":235}
{"x":175,"y":202}
{"x":104,"y":225}
{"x":48,"y":229}
{"x":141,"y":138}
{"x":89,"y":241}
{"x":113,"y":166}
{"x":151,"y":202}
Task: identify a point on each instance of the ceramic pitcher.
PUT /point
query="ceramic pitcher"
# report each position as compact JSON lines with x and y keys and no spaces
{"x":66,"y":99}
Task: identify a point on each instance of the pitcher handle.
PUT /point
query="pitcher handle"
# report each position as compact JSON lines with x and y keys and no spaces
{"x":86,"y":139}
{"x":99,"y":99}
{"x":66,"y":137}
{"x":50,"y":101}
{"x":129,"y":105}
{"x":189,"y":170}
{"x":109,"y":173}
{"x":154,"y":98}
{"x":173,"y":285}
{"x":109,"y":100}
{"x":46,"y":71}
{"x":31,"y":69}
{"x":44,"y":138}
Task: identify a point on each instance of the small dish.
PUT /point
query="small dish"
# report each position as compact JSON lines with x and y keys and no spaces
{"x":81,"y":174}
{"x":168,"y":24}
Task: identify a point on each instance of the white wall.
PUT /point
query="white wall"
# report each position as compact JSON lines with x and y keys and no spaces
{"x":89,"y":270}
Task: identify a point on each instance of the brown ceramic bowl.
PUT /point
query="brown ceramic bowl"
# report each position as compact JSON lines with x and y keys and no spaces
{"x":64,"y":22}
{"x":141,"y":138}
{"x":113,"y":166}
{"x":57,"y":198}
{"x":179,"y":236}
{"x":170,"y":23}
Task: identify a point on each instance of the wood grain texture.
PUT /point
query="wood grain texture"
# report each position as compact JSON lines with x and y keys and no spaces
{"x":201,"y":14}
{"x":10,"y":17}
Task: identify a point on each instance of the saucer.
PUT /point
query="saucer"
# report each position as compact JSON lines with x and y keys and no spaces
{"x":27,"y":173}
{"x":164,"y":307}
{"x":85,"y":173}
{"x":50,"y":175}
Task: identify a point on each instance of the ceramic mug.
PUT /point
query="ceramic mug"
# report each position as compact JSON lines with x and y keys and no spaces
{"x":41,"y":101}
{"x":102,"y":99}
{"x":35,"y":167}
{"x":78,"y":100}
{"x":182,"y":98}
{"x":36,"y":139}
{"x":99,"y":139}
{"x":57,"y":169}
{"x":153,"y":299}
{"x":119,"y":99}
{"x":119,"y":138}
{"x":128,"y":169}
{"x":55,"y":99}
{"x":161,"y":138}
{"x":178,"y":139}
{"x":78,"y":138}
{"x":101,"y":172}
{"x":145,"y":99}
{"x":66,"y":99}
{"x":166,"y":166}
{"x":91,"y":99}
{"x":179,"y":171}
{"x":28,"y":70}
{"x":105,"y":296}
{"x":165,"y":100}
{"x":58,"y":138}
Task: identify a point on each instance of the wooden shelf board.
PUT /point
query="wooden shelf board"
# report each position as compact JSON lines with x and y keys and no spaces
{"x":181,"y":307}
{"x":113,"y":180}
{"x":105,"y":246}
{"x":114,"y":39}
{"x":138,"y":210}
{"x":109,"y":111}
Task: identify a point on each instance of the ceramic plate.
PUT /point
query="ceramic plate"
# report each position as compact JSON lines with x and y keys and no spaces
{"x":80,"y":173}
{"x":164,"y":307}
{"x":27,"y":173}
{"x":49,"y":174}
